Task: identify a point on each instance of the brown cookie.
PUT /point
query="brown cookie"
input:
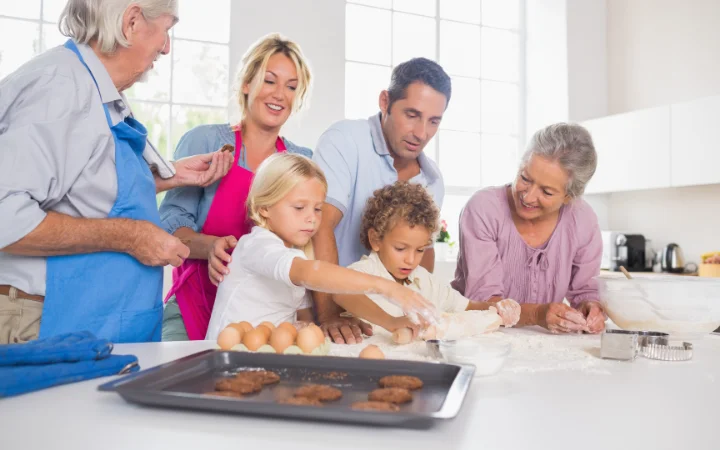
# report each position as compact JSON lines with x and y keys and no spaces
{"x":401,"y":381}
{"x":227,"y":148}
{"x":376,"y":406}
{"x":261,"y":376}
{"x":301,"y":401}
{"x":392,"y":395}
{"x":319,"y":392}
{"x":239,"y":386}
{"x":224,"y":394}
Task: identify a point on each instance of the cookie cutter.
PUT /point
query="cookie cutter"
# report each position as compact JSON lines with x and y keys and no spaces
{"x":626,"y":345}
{"x":668,"y":352}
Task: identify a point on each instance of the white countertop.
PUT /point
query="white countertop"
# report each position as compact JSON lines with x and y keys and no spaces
{"x":533,"y":403}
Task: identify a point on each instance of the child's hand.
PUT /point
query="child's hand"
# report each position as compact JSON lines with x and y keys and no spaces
{"x":404,"y":330}
{"x":412,"y":303}
{"x":509,"y":311}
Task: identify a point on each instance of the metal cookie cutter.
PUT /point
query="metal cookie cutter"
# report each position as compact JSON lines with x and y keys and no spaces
{"x":668,"y":353}
{"x":626,"y":345}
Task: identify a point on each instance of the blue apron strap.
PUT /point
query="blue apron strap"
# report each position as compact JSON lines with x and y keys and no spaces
{"x":70,"y":45}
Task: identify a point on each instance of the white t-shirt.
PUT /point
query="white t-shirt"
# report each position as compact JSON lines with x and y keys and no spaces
{"x":442,"y":295}
{"x":258,"y":287}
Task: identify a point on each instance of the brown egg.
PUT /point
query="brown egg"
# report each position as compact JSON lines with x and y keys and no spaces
{"x":240,"y":329}
{"x":308,"y":340}
{"x":281,"y":339}
{"x":290,"y":328}
{"x":372,"y":352}
{"x":319,"y":332}
{"x":228,"y":338}
{"x":265,"y":330}
{"x":270,"y":325}
{"x":254,"y":339}
{"x":246,"y":326}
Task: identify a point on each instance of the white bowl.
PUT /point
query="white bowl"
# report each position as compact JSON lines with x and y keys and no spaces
{"x":487,"y":356}
{"x":685,"y":306}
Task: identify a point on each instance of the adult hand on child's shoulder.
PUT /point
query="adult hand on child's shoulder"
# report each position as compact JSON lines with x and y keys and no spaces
{"x":219,"y":257}
{"x":345,"y":330}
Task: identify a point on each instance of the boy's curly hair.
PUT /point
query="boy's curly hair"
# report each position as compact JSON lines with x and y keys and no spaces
{"x":401,"y":201}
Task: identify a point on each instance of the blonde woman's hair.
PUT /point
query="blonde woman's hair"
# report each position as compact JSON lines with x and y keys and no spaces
{"x":102,"y":20}
{"x":274,"y":179}
{"x":254,"y":64}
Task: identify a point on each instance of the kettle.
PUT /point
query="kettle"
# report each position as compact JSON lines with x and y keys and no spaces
{"x":672,"y":259}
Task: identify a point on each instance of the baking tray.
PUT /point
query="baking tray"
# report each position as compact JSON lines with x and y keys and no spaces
{"x":183,"y":383}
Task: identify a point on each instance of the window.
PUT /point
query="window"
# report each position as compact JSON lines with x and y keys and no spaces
{"x":188,"y":87}
{"x":479,"y":43}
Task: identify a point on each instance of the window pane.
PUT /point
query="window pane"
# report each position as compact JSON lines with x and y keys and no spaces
{"x":363,"y":84}
{"x":51,"y":37}
{"x":460,"y":158}
{"x":201,"y":73}
{"x":367,"y":34}
{"x":461,"y":10}
{"x":430,"y":149}
{"x":52,"y":10}
{"x":424,"y":7}
{"x":463,"y":113}
{"x":157,"y":86}
{"x":387,"y":4}
{"x":499,"y":107}
{"x":207,"y":20}
{"x":413,"y":36}
{"x":28,"y":9}
{"x":156,"y":119}
{"x":186,"y":118}
{"x":500,"y":59}
{"x":500,"y":159}
{"x":19,"y":42}
{"x":452,"y":206}
{"x":460,"y":48}
{"x":501,"y":13}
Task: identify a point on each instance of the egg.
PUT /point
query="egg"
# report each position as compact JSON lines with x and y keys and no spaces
{"x":372,"y":352}
{"x":290,"y":328}
{"x":402,"y":336}
{"x":270,"y":325}
{"x":240,"y":329}
{"x":319,"y":332}
{"x":281,"y":339}
{"x":228,"y":338}
{"x":246,"y":326}
{"x":308,"y":340}
{"x":254,"y":339}
{"x":267,"y":331}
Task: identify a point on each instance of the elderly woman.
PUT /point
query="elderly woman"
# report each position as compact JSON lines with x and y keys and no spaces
{"x":81,"y":244}
{"x":273,"y":81}
{"x":536,"y":241}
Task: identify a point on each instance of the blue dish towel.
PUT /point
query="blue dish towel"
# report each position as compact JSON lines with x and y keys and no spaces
{"x":59,"y":360}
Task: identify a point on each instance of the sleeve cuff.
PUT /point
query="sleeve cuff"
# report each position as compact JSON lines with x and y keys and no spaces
{"x":26,"y":216}
{"x":337,"y":204}
{"x":171,"y":224}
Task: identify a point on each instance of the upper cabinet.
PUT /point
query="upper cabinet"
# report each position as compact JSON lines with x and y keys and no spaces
{"x":633,"y":151}
{"x":695,"y":137}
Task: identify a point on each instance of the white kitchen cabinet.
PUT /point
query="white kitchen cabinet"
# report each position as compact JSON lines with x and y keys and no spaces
{"x":633,"y":151}
{"x":695,"y":155}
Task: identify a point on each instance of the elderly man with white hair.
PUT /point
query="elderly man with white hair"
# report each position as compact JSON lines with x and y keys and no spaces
{"x":80,"y":243}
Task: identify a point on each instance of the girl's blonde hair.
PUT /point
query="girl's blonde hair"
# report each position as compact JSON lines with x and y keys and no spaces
{"x":254,"y":64}
{"x":274,"y":179}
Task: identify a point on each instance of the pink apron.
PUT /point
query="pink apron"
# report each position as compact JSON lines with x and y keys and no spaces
{"x":193,"y":290}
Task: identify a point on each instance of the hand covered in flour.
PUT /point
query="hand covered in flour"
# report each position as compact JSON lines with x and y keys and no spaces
{"x":508,"y":310}
{"x":415,"y":306}
{"x":594,"y":316}
{"x":219,"y":257}
{"x":403,"y":330}
{"x":560,"y":318}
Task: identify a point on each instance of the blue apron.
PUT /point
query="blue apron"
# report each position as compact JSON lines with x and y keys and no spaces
{"x":110,"y":294}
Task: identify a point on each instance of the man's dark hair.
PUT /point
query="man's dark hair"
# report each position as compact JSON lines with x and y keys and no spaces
{"x":418,"y":69}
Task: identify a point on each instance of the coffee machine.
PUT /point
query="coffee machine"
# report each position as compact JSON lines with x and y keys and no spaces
{"x":630,"y":253}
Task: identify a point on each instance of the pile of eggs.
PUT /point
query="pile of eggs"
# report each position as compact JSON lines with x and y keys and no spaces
{"x":266,"y":337}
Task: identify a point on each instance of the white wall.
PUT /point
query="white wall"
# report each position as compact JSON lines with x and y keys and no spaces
{"x":661,"y":52}
{"x":318,"y":26}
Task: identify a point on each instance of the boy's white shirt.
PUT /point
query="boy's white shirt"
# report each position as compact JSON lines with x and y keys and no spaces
{"x":442,"y":295}
{"x":258,"y":287}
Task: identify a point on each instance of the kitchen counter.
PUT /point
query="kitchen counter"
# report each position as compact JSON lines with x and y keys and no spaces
{"x":550,"y":395}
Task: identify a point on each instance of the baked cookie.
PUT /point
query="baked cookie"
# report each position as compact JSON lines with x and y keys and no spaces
{"x":319,"y":392}
{"x":261,"y":376}
{"x":376,"y":406}
{"x":239,"y":386}
{"x":401,"y":381}
{"x":301,"y":401}
{"x":391,"y":395}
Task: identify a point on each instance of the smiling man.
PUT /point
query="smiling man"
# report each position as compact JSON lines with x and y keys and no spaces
{"x":360,"y":156}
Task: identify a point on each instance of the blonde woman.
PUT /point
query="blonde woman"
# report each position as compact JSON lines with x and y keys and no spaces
{"x":269,"y":273}
{"x":273,"y":81}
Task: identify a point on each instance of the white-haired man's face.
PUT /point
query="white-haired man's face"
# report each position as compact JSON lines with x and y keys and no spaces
{"x":148,"y":38}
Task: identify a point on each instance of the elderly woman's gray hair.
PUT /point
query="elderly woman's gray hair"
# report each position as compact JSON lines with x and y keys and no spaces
{"x":102,"y":20}
{"x":572,"y":147}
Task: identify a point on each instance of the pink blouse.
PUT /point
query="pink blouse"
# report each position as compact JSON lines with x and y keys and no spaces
{"x":494,"y":259}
